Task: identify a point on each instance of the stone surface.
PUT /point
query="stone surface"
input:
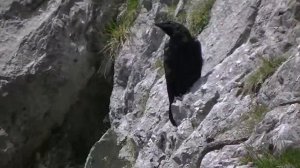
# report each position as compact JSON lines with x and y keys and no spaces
{"x":105,"y":153}
{"x":217,"y":122}
{"x":48,"y":65}
{"x":48,"y":106}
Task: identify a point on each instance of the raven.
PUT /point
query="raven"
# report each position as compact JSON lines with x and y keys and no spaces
{"x":182,"y":61}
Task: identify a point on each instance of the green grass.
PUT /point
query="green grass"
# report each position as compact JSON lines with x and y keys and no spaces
{"x":180,"y":17}
{"x":132,"y":5}
{"x":171,"y":11}
{"x":117,"y":32}
{"x":200,"y":16}
{"x":267,"y":68}
{"x":255,"y":115}
{"x":288,"y":159}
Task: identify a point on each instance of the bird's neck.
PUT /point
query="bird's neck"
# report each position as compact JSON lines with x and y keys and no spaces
{"x":179,"y":41}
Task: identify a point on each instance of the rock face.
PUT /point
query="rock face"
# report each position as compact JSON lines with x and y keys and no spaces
{"x":217,"y":121}
{"x":52,"y":99}
{"x":48,"y":64}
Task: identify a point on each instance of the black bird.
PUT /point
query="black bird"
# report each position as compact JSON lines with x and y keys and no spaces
{"x":182,"y":61}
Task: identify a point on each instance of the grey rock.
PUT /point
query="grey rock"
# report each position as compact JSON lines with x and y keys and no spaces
{"x":214,"y":119}
{"x":105,"y":152}
{"x":46,"y":59}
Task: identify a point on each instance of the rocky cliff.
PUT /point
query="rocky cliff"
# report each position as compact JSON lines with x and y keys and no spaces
{"x":247,"y":97}
{"x":52,"y":100}
{"x":57,"y":87}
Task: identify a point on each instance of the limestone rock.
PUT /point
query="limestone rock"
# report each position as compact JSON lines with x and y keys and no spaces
{"x":47,"y":57}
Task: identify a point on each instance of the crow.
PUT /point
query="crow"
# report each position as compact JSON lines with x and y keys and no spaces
{"x":182,"y":61}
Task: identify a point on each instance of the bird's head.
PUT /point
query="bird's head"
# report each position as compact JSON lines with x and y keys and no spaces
{"x":175,"y":30}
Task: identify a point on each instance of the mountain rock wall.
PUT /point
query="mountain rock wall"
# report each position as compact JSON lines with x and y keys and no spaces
{"x":49,"y":111}
{"x":245,"y":97}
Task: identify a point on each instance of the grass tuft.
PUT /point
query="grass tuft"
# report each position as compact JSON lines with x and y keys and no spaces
{"x":118,"y":31}
{"x":256,"y":115}
{"x":288,"y":159}
{"x":200,"y":16}
{"x":267,"y":68}
{"x":180,"y":17}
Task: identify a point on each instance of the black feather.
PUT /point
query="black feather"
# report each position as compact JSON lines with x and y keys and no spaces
{"x":182,"y":61}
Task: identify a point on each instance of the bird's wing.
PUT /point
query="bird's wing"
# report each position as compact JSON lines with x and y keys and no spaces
{"x":170,"y":80}
{"x":169,"y":73}
{"x":197,"y":44}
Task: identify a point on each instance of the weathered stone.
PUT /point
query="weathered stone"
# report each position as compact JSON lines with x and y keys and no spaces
{"x":105,"y":152}
{"x":48,"y":71}
{"x":215,"y":118}
{"x":47,"y":58}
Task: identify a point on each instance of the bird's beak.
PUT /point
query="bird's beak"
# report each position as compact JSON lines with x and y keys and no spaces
{"x":158,"y":25}
{"x":163,"y":27}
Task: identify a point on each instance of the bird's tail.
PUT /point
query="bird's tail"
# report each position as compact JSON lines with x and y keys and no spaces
{"x":171,"y":117}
